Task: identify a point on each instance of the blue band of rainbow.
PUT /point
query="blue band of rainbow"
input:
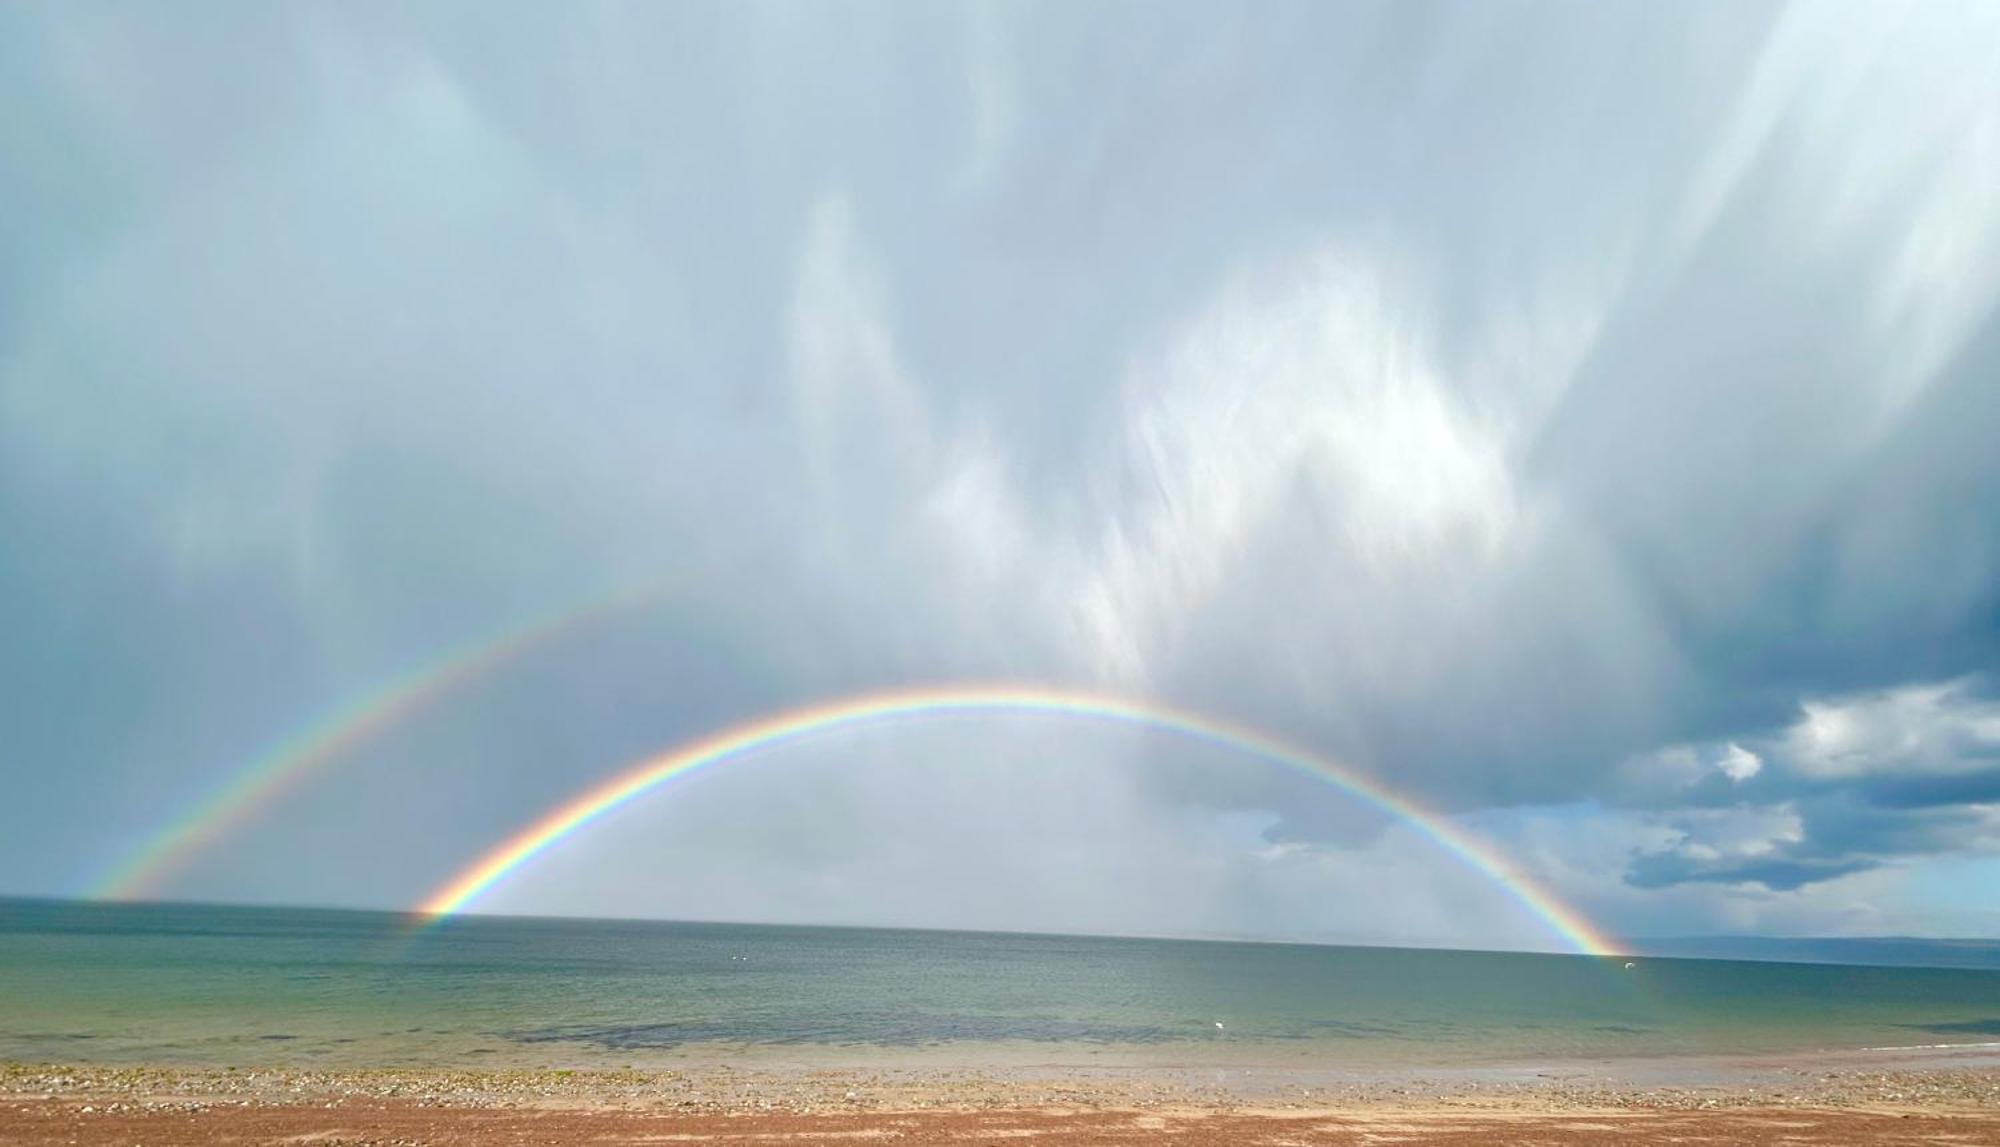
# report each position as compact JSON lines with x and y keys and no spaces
{"x":762,"y":734}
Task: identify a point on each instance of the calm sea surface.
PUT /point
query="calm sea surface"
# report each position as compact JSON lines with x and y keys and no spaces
{"x":253,"y":986}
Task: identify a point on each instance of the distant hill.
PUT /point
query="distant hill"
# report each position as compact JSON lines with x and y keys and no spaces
{"x":1897,"y":951}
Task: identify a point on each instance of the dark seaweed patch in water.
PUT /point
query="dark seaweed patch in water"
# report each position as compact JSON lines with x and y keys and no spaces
{"x":883,"y":1029}
{"x":1311,"y":1028}
{"x":1965,"y":1027}
{"x":277,"y":1036}
{"x":1621,"y":1029}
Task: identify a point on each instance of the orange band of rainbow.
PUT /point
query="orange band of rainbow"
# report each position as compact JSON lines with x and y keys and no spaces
{"x":770,"y":732}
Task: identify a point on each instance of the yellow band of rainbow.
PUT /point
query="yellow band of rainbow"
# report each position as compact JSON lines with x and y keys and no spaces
{"x":765,"y":733}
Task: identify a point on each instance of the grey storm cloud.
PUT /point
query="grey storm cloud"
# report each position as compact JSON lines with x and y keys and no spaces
{"x":1812,"y":841}
{"x":1855,"y":782}
{"x":1546,"y":411}
{"x":1662,"y":869}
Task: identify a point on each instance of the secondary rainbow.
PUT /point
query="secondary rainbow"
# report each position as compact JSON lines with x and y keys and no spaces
{"x":342,"y":731}
{"x":792,"y":725}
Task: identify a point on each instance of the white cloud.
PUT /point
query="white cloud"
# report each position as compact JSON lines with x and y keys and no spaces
{"x":1913,"y":730}
{"x":1738,"y":763}
{"x":1745,"y":832}
{"x":989,"y":77}
{"x":1870,"y":109}
{"x":1667,"y":775}
{"x":1308,"y":390}
{"x":863,"y":421}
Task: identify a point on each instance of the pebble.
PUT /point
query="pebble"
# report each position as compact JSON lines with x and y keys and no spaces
{"x":721,"y":1089}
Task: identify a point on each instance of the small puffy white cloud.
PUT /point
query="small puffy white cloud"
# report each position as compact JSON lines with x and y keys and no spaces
{"x":1738,"y":763}
{"x":1667,"y":774}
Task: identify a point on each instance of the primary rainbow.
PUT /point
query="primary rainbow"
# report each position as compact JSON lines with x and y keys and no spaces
{"x":764,"y":733}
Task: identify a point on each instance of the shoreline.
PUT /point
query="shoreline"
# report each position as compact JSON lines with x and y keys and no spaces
{"x":1016,"y":1059}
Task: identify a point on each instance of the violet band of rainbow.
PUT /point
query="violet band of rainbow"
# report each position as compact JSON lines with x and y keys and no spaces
{"x":759,"y":735}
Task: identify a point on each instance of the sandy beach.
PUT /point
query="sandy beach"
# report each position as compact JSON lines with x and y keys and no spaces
{"x":1927,"y":1096}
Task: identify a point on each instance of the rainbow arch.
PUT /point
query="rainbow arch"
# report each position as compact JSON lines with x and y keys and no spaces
{"x":792,"y":725}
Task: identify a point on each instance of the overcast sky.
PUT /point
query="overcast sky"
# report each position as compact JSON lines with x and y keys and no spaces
{"x":1580,"y":417}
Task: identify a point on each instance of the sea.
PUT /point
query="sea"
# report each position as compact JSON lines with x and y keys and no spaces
{"x":196,"y":985}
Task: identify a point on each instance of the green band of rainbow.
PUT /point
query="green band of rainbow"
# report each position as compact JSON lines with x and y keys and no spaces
{"x":770,"y":732}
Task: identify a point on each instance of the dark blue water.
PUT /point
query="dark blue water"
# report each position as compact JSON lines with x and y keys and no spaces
{"x":227,"y":986}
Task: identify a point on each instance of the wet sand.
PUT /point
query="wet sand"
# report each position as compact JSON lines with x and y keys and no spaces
{"x":408,"y":1123}
{"x":1947,"y":1096}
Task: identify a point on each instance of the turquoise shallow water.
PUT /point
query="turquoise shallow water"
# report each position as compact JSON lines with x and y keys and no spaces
{"x":221,"y":986}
